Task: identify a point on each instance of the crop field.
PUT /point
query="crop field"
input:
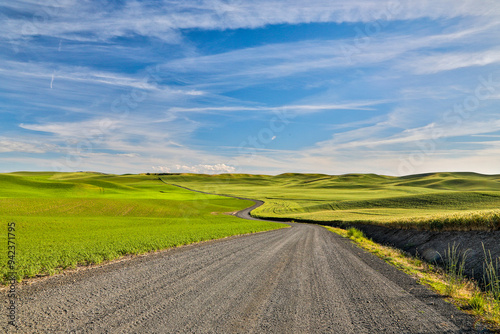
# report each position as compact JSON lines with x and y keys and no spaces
{"x":438,"y":201}
{"x":68,"y":219}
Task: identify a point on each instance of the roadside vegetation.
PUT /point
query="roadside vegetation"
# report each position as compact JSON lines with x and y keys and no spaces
{"x":483,"y":302}
{"x":436,"y":201}
{"x":64,"y":220}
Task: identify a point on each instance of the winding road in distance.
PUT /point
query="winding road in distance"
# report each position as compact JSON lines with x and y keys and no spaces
{"x":302,"y":279}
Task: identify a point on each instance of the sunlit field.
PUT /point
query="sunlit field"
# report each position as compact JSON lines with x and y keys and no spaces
{"x":68,"y":219}
{"x":452,"y":201}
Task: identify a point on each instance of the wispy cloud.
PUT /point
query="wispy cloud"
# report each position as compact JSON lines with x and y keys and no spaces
{"x":165,"y":19}
{"x":362,"y":88}
{"x":8,"y":145}
{"x":451,"y":61}
{"x":75,"y":73}
{"x":85,"y":129}
{"x":250,"y":66}
{"x":373,"y":136}
{"x":296,"y":109}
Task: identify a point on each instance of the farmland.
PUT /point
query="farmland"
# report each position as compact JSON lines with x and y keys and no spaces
{"x":68,"y":219}
{"x":440,"y":201}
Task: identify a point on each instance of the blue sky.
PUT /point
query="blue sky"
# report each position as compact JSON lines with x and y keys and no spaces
{"x":391,"y":87}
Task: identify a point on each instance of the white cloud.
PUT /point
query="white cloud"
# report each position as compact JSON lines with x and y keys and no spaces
{"x":160,"y":129}
{"x":372,"y":137}
{"x":245,"y":67}
{"x":95,"y":128}
{"x":295,"y":109}
{"x":206,"y":169}
{"x":86,"y":21}
{"x":450,"y":61}
{"x":78,"y":74}
{"x":199,"y":169}
{"x":161,"y":169}
{"x":7,"y":145}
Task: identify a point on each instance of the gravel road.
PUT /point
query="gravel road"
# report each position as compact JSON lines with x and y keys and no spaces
{"x":302,"y":279}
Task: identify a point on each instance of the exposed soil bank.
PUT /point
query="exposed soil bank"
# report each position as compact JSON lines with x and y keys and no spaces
{"x":432,"y":245}
{"x":303,"y":279}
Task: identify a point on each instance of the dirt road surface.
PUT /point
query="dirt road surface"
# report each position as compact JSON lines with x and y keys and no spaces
{"x":302,"y":279}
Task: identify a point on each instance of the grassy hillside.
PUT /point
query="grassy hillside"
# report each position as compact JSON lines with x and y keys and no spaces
{"x":67,"y":219}
{"x":430,"y":201}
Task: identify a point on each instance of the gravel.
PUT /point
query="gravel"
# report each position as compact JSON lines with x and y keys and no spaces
{"x":302,"y":279}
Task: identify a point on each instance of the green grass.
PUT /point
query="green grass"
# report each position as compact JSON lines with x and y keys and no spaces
{"x":354,"y":233}
{"x":438,"y":201}
{"x":68,"y":219}
{"x":491,"y":275}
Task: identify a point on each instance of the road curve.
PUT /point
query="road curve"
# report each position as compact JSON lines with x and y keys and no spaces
{"x":303,"y":279}
{"x":245,"y":213}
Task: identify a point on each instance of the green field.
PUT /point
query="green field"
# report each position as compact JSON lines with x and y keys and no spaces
{"x":68,"y":219}
{"x":440,"y":201}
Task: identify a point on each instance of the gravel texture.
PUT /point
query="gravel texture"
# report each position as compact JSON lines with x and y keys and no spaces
{"x":302,"y":279}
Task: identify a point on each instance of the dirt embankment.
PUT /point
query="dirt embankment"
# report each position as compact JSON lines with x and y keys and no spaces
{"x":433,"y":246}
{"x":302,"y":279}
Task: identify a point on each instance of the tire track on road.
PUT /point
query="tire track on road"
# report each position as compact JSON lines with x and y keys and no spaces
{"x":303,"y":279}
